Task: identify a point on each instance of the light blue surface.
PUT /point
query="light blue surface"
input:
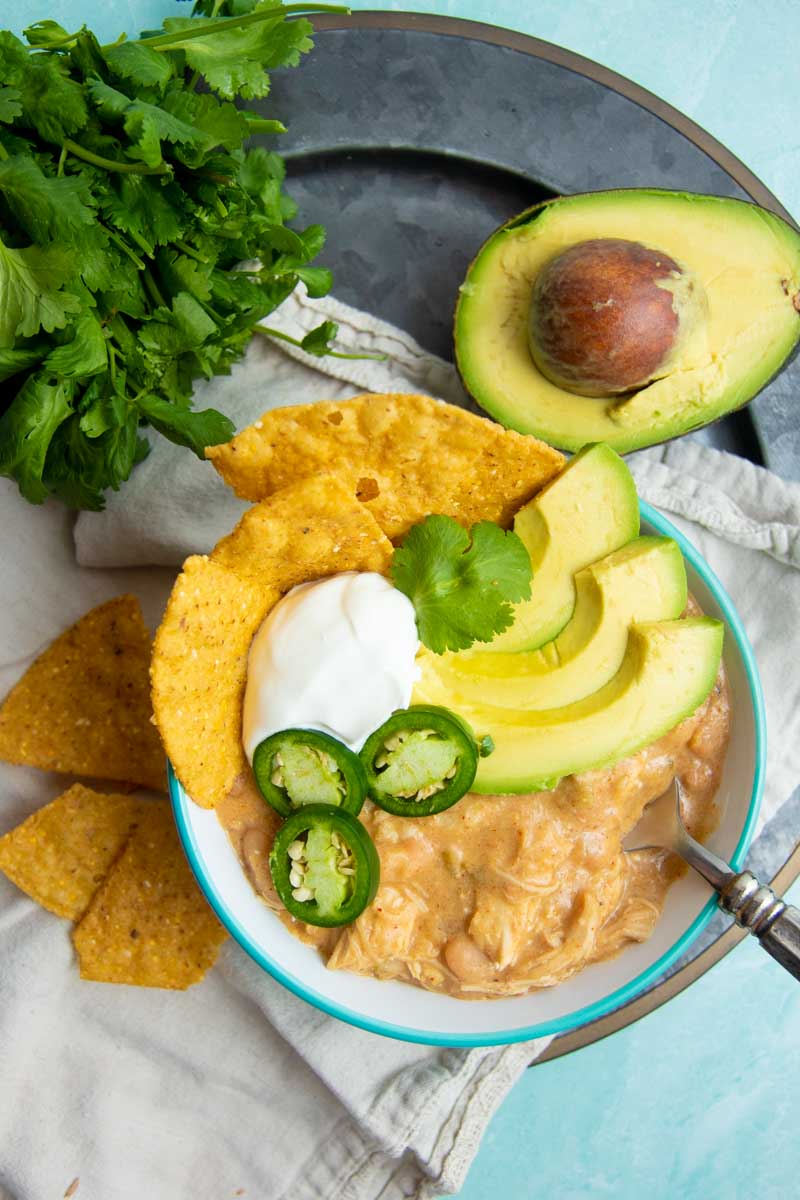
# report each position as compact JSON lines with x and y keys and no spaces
{"x":697,"y":1101}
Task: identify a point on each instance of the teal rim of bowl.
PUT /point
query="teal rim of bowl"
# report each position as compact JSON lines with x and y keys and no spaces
{"x":581,"y":1016}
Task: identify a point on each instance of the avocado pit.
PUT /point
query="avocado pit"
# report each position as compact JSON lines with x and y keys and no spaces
{"x":609,"y":316}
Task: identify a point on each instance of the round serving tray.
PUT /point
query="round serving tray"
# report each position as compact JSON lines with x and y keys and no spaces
{"x":413,"y":136}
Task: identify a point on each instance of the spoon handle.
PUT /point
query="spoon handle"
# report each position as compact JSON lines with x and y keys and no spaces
{"x":775,"y":924}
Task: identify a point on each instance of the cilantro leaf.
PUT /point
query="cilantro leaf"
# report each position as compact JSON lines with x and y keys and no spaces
{"x":10,"y":106}
{"x":45,"y":207}
{"x":147,"y":125}
{"x":233,"y":61}
{"x":318,"y":341}
{"x":193,"y":429}
{"x":30,"y":285}
{"x":462,"y":585}
{"x":20,"y":358}
{"x":85,"y":354}
{"x":141,"y":65}
{"x":52,"y":103}
{"x":26,"y":430}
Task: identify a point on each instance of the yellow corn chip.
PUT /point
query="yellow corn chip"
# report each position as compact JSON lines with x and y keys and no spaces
{"x":402,"y":456}
{"x":83,"y":707}
{"x":199,"y":666}
{"x":61,"y":854}
{"x":306,"y":531}
{"x":198,"y":674}
{"x":149,"y":924}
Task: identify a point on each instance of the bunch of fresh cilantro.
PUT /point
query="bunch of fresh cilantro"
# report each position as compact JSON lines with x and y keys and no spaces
{"x":127,"y":206}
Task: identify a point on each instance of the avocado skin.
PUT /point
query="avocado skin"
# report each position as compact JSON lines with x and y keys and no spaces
{"x":669,"y":427}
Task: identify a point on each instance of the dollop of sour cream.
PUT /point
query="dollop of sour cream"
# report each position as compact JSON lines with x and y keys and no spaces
{"x":335,"y":655}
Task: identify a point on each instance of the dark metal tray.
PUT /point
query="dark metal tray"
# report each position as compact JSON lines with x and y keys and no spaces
{"x":412,"y":137}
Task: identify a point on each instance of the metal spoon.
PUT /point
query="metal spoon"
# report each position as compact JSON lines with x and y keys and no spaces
{"x":755,"y":907}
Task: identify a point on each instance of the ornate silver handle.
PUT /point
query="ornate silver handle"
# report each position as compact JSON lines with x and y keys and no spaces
{"x":758,"y":909}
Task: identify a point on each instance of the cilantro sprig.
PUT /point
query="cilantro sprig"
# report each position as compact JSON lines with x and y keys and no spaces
{"x":130,"y":193}
{"x":462,"y":585}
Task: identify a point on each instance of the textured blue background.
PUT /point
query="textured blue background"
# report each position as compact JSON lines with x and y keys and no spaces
{"x":698,"y":1100}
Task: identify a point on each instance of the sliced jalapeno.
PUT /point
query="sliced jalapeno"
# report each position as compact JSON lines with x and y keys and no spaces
{"x":421,"y":761}
{"x":302,"y":766}
{"x":324,"y":865}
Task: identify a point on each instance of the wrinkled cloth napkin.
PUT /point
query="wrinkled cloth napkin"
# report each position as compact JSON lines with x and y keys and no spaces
{"x":236,"y":1087}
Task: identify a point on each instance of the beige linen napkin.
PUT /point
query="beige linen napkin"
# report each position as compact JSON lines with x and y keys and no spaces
{"x":237,"y":1088}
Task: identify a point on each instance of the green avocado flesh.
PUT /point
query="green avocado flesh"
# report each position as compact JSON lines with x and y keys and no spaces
{"x":644,"y":581}
{"x":308,"y":778}
{"x":746,"y":259}
{"x":667,"y":671}
{"x":588,"y":511}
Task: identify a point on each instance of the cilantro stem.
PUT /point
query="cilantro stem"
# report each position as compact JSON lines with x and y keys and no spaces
{"x":185,"y":248}
{"x":152,"y":288}
{"x":268,"y":332}
{"x":62,"y":158}
{"x":123,"y":245}
{"x":261,"y":125}
{"x":109,"y":164}
{"x":204,"y":28}
{"x":3,"y":151}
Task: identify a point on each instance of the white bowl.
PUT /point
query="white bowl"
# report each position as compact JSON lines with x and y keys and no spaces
{"x":410,"y":1013}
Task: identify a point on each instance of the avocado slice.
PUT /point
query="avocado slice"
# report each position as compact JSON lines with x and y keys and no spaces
{"x":644,"y":581}
{"x":668,"y":670}
{"x":746,"y":259}
{"x":588,"y":510}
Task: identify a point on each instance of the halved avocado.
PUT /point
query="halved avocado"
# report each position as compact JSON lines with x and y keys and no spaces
{"x":588,"y":510}
{"x":644,"y":581}
{"x":745,"y":259}
{"x":668,"y":670}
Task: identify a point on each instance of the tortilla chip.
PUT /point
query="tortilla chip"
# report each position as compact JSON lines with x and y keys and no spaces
{"x":402,"y":456}
{"x":149,"y":924}
{"x":306,"y":531}
{"x":83,"y":707}
{"x":61,"y":854}
{"x":199,"y":671}
{"x":199,"y":666}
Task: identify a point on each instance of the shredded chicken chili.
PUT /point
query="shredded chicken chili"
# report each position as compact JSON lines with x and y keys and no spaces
{"x":501,"y":895}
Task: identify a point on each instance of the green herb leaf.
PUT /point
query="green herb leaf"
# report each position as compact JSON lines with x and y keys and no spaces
{"x":147,"y":125}
{"x":20,"y":358}
{"x":462,"y":585}
{"x":85,"y":354}
{"x":30,"y":285}
{"x":233,"y":61}
{"x":193,"y":429}
{"x":46,"y":208}
{"x":10,"y":106}
{"x":318,"y":341}
{"x":26,"y":430}
{"x":141,"y":65}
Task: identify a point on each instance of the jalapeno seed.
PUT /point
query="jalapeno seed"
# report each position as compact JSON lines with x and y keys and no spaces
{"x":296,"y":767}
{"x":421,"y":761}
{"x":324,"y":865}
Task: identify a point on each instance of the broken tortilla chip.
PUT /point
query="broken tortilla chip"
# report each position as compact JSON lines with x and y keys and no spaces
{"x":403,"y":456}
{"x":83,"y":707}
{"x":199,"y":668}
{"x":61,"y":854}
{"x":198,"y":674}
{"x":149,"y":924}
{"x":305,"y":531}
